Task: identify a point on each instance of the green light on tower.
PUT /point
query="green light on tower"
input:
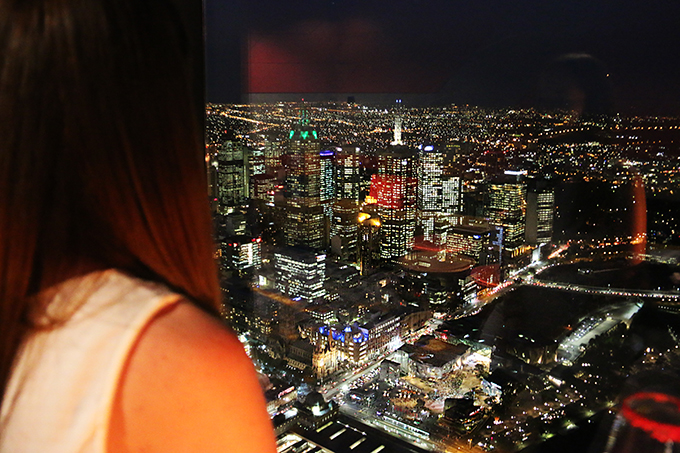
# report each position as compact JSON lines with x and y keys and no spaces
{"x":304,"y":135}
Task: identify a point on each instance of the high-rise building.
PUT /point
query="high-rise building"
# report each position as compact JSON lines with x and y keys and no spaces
{"x":302,"y":188}
{"x":256,"y":167}
{"x":368,"y":242}
{"x":397,"y":130}
{"x":540,"y":213}
{"x":264,"y":188}
{"x":233,"y":177}
{"x":300,"y":273}
{"x":394,"y":189}
{"x":327,"y":181}
{"x":545,"y":209}
{"x":347,"y":178}
{"x":439,"y":189}
{"x":256,"y":162}
{"x":345,"y":229}
{"x":474,"y":193}
{"x":473,"y":241}
{"x":273,"y":150}
{"x":452,"y":195}
{"x":430,"y":190}
{"x":505,"y":207}
{"x":242,"y":253}
{"x":440,"y":235}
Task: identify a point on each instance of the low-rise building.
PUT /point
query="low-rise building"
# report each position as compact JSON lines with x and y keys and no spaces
{"x":431,"y":358}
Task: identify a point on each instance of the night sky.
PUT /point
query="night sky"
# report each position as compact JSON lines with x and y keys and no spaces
{"x":620,"y":56}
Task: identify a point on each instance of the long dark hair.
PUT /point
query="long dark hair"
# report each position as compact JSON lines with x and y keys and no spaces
{"x":101,"y":155}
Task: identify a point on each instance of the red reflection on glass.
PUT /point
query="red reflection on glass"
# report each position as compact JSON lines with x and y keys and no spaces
{"x":657,"y":414}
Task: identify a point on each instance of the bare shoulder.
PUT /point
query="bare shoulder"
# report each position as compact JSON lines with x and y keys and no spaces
{"x":189,"y":386}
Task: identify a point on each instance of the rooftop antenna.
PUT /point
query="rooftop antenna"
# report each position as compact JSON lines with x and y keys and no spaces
{"x":304,"y":116}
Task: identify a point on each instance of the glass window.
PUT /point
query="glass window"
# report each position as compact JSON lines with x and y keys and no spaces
{"x":454,"y":223}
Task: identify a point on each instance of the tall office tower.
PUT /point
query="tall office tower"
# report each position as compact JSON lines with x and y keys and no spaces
{"x":397,"y":132}
{"x":540,"y":213}
{"x":264,"y":188}
{"x":256,"y":167}
{"x":256,"y":162}
{"x":474,"y":193}
{"x":327,"y":181}
{"x":345,"y":229}
{"x":302,"y":188}
{"x":369,"y":242}
{"x":440,"y":237}
{"x":273,"y":150}
{"x":430,"y":188}
{"x":505,"y":207}
{"x":452,"y":195}
{"x":367,"y":169}
{"x":454,"y":154}
{"x":394,"y":189}
{"x":242,"y":254}
{"x":233,"y":177}
{"x":300,"y":273}
{"x":473,"y":241}
{"x":347,"y":179}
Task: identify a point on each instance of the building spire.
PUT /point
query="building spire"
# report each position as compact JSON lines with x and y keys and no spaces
{"x":397,"y":131}
{"x":304,"y":117}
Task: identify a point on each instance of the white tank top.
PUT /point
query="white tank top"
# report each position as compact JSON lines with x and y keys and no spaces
{"x":61,"y":391}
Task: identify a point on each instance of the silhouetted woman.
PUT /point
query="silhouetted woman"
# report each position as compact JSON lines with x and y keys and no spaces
{"x":107,"y":277}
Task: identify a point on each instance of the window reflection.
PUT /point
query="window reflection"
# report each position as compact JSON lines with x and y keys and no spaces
{"x":433,"y":256}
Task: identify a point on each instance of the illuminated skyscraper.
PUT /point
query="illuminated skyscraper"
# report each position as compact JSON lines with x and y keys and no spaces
{"x":345,"y":229}
{"x":300,"y":273}
{"x":505,"y":207}
{"x":242,"y":253}
{"x":540,"y":213}
{"x":397,"y":131}
{"x":256,"y":162}
{"x":430,"y":188}
{"x":430,"y":163}
{"x":439,"y":192}
{"x":273,"y":149}
{"x":264,"y":188}
{"x":347,"y":180}
{"x":302,"y":188}
{"x":369,"y":242}
{"x":327,"y":180}
{"x":233,"y":190}
{"x":394,"y":189}
{"x":474,"y":241}
{"x":452,"y":195}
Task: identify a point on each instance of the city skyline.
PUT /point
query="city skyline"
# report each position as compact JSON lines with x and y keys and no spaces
{"x":487,"y":279}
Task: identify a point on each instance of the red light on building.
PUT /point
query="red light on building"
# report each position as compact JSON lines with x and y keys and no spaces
{"x":486,"y":276}
{"x":390,"y":191}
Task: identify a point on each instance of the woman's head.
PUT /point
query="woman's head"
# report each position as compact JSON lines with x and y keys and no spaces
{"x":100,"y":150}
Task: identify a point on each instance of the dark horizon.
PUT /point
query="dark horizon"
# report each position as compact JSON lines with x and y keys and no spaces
{"x":592,"y":57}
